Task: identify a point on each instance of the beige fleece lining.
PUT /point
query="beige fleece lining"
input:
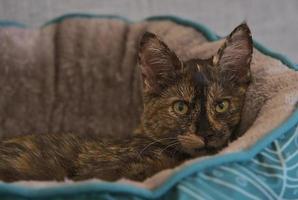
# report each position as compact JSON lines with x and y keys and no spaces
{"x":77,"y":75}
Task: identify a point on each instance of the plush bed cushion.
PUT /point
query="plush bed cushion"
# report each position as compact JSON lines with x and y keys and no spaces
{"x":78,"y":74}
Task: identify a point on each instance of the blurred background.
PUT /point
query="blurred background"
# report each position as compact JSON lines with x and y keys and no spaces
{"x":274,"y":23}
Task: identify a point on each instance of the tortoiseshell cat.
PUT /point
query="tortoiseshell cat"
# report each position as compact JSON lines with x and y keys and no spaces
{"x":190,"y":109}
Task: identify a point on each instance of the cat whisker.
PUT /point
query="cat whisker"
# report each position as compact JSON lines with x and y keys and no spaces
{"x":152,"y":143}
{"x":170,"y":145}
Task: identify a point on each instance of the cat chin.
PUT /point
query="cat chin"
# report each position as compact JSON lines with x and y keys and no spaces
{"x":217,"y":143}
{"x":196,"y":152}
{"x":208,"y":149}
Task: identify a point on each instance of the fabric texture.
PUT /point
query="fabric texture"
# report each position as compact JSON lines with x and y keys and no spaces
{"x":77,"y":72}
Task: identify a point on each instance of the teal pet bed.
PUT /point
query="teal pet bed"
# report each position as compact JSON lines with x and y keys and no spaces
{"x":51,"y":81}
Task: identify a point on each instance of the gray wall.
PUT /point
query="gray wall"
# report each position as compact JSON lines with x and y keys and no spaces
{"x":273,"y":22}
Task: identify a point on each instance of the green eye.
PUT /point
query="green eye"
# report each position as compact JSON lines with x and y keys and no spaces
{"x":180,"y":107}
{"x":222,"y":106}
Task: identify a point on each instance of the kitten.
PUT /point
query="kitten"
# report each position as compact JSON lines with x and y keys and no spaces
{"x":190,"y":109}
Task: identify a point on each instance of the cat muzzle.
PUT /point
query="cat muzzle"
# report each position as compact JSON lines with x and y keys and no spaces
{"x":191,"y":142}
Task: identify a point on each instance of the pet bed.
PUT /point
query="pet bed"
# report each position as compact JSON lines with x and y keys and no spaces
{"x":51,"y":82}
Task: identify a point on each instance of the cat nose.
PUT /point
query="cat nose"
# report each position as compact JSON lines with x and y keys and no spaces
{"x":198,"y":139}
{"x":191,"y":140}
{"x":203,"y":134}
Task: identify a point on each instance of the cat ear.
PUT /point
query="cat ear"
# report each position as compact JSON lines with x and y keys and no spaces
{"x":159,"y":65}
{"x":234,"y":57}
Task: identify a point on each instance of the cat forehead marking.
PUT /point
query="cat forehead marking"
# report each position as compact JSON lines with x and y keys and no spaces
{"x":186,"y":91}
{"x":215,"y":90}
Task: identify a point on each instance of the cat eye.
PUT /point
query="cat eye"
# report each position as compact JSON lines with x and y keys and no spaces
{"x":222,"y":106}
{"x":180,"y":107}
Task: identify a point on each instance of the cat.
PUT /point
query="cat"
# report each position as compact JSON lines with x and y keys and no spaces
{"x":191,"y":109}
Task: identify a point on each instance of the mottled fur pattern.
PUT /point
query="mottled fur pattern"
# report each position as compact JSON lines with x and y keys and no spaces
{"x":166,"y":137}
{"x":54,"y":156}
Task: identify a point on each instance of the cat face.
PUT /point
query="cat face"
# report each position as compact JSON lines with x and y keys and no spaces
{"x":194,"y":106}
